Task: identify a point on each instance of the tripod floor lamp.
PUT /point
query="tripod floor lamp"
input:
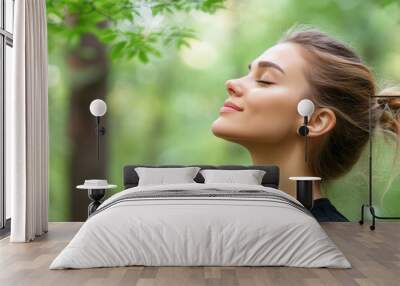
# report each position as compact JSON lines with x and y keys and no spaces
{"x":370,"y":203}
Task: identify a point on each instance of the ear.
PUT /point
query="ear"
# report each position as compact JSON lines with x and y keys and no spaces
{"x":322,"y":121}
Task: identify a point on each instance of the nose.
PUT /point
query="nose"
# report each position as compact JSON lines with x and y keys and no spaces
{"x":234,"y":88}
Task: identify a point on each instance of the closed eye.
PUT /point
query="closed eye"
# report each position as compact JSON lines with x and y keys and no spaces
{"x":263,"y":82}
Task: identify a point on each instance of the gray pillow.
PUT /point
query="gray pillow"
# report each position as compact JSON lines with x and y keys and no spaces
{"x":249,"y":177}
{"x":162,"y":176}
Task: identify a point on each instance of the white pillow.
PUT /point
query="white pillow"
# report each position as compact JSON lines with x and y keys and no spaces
{"x":161,"y":176}
{"x":249,"y":177}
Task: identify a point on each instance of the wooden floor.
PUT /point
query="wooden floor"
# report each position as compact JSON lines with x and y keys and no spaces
{"x":374,"y":255}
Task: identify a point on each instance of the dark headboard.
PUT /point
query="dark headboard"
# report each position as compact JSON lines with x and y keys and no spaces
{"x":270,"y":179}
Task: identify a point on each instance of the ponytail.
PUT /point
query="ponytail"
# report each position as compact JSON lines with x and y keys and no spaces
{"x":390,"y":106}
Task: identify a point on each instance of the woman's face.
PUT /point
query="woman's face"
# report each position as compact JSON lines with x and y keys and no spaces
{"x":267,"y":98}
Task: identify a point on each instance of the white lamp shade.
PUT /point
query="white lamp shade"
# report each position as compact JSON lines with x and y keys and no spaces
{"x":98,"y":107}
{"x":305,"y":107}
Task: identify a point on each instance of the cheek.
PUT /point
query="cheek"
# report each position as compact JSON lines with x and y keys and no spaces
{"x":273,"y":115}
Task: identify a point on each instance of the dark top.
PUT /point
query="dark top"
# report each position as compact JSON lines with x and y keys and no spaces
{"x":323,"y":210}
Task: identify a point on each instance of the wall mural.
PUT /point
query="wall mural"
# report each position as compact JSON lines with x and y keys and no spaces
{"x":165,"y":70}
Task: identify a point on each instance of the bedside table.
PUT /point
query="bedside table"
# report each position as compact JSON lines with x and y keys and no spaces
{"x":304,"y":192}
{"x":96,"y":190}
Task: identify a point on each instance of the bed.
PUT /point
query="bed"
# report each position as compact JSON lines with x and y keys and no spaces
{"x":201,"y":224}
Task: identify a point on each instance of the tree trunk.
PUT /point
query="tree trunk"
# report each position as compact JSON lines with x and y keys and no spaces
{"x":89,"y":69}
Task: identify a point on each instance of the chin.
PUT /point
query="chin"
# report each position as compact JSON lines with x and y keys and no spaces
{"x":225,"y":131}
{"x":218,"y":127}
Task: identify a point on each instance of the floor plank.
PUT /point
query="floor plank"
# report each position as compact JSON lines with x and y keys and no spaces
{"x":374,"y":255}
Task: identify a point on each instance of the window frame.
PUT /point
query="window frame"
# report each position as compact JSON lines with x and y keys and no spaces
{"x":6,"y":39}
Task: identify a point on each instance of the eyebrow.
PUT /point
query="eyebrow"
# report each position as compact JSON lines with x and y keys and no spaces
{"x":266,"y":64}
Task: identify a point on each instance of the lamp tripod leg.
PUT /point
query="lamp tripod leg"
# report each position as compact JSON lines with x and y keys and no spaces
{"x":371,"y":209}
{"x":361,"y":221}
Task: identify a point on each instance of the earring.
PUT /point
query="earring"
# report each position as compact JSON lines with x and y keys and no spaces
{"x":305,"y":108}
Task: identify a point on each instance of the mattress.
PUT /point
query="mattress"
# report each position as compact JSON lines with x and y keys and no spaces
{"x":198,"y":224}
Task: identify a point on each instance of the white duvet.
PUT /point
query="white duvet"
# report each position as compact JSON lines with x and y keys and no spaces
{"x":200,"y":231}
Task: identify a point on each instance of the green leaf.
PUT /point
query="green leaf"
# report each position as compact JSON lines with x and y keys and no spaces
{"x":131,"y":53}
{"x":107,"y":36}
{"x":116,"y":49}
{"x":143,"y":56}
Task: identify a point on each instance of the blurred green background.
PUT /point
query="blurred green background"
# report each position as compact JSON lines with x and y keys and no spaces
{"x":160,"y":108}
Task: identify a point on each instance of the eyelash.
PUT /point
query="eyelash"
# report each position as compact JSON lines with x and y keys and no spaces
{"x":264,"y":82}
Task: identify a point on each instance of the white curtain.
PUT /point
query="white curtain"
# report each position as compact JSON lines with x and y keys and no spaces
{"x":27,"y":124}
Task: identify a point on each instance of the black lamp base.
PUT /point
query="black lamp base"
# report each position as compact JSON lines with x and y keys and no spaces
{"x":304,"y":193}
{"x":95,"y":195}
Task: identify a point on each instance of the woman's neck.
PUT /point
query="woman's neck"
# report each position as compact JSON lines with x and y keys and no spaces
{"x":290,"y":160}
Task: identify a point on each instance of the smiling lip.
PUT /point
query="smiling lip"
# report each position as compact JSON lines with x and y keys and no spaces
{"x":230,"y":107}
